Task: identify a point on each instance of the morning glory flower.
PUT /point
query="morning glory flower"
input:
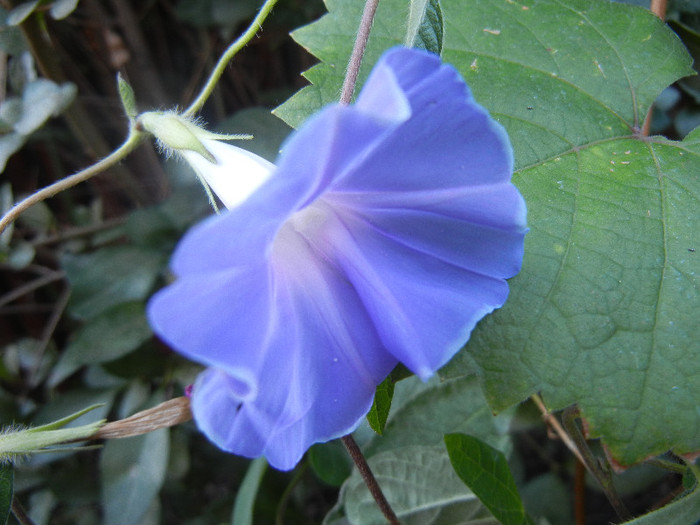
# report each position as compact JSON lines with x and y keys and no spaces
{"x":382,"y":235}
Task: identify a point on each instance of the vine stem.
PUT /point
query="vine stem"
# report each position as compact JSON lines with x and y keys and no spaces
{"x":598,"y":471}
{"x":234,"y":48}
{"x":348,"y":88}
{"x":358,"y":51}
{"x":369,"y":479}
{"x":132,"y":141}
{"x":658,"y":7}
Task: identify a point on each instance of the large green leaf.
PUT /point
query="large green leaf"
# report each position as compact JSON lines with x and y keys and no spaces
{"x":421,"y":487}
{"x":603,"y":313}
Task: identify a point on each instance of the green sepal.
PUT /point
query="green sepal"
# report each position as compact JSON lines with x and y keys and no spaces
{"x":126,"y":93}
{"x":20,"y":442}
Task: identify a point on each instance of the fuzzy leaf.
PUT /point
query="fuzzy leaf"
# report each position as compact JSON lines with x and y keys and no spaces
{"x":420,"y":486}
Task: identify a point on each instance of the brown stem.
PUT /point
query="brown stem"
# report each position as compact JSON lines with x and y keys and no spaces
{"x":569,"y":417}
{"x":19,"y":512}
{"x":358,"y":51}
{"x":369,"y":479}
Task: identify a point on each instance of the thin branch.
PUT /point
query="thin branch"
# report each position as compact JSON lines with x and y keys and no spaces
{"x":227,"y":56}
{"x":19,"y":513}
{"x":358,"y":51}
{"x":369,"y":479}
{"x":133,"y":140}
{"x":603,"y":476}
{"x":31,"y":286}
{"x":554,"y":424}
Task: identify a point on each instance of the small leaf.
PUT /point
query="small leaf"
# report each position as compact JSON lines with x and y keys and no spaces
{"x":485,"y":471}
{"x":126,"y":93}
{"x":381,"y":405}
{"x":110,"y":276}
{"x":9,"y":144}
{"x":41,"y":100}
{"x":109,"y":336}
{"x":245,"y":498}
{"x":20,"y":13}
{"x":62,"y":8}
{"x":331,"y":462}
{"x":425,"y":26}
{"x":6,"y":491}
{"x":132,"y":473}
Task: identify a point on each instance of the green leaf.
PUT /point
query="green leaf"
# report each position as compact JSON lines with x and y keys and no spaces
{"x":423,"y":412}
{"x":132,"y":473}
{"x":42,"y":99}
{"x":108,"y":336}
{"x":331,"y":40}
{"x":485,"y":471}
{"x":381,"y":405}
{"x":425,"y":26}
{"x":62,"y":8}
{"x":7,"y":474}
{"x":110,"y":276}
{"x":331,"y":462}
{"x":604,"y":311}
{"x":245,"y":498}
{"x":420,"y":486}
{"x":20,"y":13}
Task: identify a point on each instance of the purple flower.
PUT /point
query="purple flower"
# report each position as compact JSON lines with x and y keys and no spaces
{"x":384,"y":234}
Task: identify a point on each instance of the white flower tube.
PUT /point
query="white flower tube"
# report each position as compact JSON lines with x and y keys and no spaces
{"x":235,"y":174}
{"x":231,"y":172}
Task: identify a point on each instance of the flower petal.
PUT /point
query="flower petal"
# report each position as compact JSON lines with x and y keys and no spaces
{"x":423,"y":307}
{"x":324,"y":150}
{"x":336,"y":352}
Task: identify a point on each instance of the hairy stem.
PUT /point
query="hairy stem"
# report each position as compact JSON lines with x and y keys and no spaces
{"x":76,"y":116}
{"x":227,"y":56}
{"x":592,"y":463}
{"x":358,"y":51}
{"x":132,"y":141}
{"x":369,"y":479}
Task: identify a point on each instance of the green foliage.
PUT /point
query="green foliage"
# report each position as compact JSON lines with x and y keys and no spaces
{"x":425,"y":26}
{"x":245,"y":498}
{"x":331,"y":462}
{"x":108,"y":336}
{"x":6,"y":491}
{"x":111,"y":276}
{"x":381,"y":404}
{"x":420,"y":486}
{"x":602,"y":313}
{"x":132,"y":473}
{"x":485,"y":471}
